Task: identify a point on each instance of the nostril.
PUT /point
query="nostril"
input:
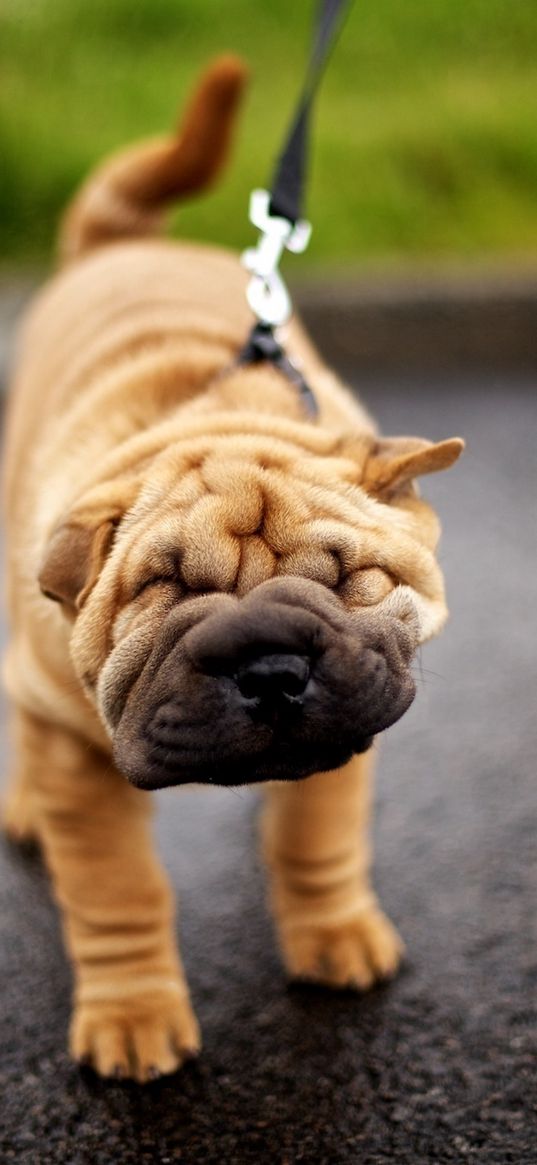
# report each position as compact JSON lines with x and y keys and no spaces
{"x":272,"y":677}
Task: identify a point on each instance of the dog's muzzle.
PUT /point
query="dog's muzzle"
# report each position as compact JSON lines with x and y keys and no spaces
{"x":275,"y":686}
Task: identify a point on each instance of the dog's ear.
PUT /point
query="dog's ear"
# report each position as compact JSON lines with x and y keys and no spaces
{"x":73,"y":561}
{"x":77,"y":549}
{"x":393,"y":462}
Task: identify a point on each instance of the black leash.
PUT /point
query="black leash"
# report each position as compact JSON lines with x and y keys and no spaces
{"x":287,"y":191}
{"x":278,"y":216}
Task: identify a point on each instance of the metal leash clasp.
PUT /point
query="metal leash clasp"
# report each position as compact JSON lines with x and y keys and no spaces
{"x":267,"y":294}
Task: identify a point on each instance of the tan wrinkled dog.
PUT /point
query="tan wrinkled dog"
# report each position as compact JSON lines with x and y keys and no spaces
{"x":237,"y":596}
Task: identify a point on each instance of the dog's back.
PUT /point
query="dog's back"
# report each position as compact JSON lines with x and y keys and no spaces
{"x":116,"y":297}
{"x":152,"y":320}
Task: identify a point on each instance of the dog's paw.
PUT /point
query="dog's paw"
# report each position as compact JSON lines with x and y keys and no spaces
{"x":352,"y":954}
{"x":138,"y":1039}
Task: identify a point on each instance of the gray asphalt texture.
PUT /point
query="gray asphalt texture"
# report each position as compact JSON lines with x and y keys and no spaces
{"x":439,"y":1066}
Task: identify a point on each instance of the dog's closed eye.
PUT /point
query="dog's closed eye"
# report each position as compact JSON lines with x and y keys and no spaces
{"x":154,"y":580}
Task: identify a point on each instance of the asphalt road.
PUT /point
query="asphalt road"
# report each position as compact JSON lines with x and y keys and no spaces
{"x":441,"y":1065}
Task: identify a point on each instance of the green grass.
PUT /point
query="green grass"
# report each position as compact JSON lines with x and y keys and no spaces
{"x":425,"y":139}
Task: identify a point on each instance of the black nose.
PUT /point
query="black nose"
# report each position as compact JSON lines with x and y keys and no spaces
{"x":274,"y":681}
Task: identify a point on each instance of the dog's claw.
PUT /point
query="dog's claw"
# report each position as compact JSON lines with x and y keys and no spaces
{"x":190,"y":1054}
{"x":353,"y":955}
{"x":140,"y":1039}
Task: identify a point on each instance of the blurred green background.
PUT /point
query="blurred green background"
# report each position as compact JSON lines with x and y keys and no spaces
{"x":425,"y":144}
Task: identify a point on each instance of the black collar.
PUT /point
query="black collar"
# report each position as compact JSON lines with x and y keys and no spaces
{"x":262,"y":345}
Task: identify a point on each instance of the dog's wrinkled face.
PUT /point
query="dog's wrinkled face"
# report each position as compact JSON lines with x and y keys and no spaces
{"x":279,"y":684}
{"x":255,"y":613}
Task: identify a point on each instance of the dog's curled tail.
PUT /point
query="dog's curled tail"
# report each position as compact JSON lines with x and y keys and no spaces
{"x":125,"y":197}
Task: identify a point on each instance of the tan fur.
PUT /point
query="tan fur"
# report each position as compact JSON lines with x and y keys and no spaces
{"x":130,"y":438}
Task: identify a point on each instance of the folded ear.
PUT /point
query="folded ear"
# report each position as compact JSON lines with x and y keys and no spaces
{"x":394,"y":461}
{"x":73,"y":561}
{"x":77,"y":549}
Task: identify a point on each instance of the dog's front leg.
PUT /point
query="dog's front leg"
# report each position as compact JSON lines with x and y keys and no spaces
{"x":330,"y":926}
{"x":132,"y":1014}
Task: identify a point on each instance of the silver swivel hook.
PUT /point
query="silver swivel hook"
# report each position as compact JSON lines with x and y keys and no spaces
{"x":267,"y":294}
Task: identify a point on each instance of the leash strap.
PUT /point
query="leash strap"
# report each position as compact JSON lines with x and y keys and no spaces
{"x":278,"y":216}
{"x":287,"y":192}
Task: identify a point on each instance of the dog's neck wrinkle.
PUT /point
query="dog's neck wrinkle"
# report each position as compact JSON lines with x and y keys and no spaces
{"x":163,"y":383}
{"x":254,"y":388}
{"x":250,"y":392}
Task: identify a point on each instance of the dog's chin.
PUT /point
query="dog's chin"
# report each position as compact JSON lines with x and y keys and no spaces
{"x":150,"y":772}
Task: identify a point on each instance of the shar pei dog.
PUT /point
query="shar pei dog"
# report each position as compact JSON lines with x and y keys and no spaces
{"x":204,"y":585}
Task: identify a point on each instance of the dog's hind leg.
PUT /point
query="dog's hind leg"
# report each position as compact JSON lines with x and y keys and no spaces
{"x":19,"y":818}
{"x":19,"y":811}
{"x":330,"y":926}
{"x":132,"y":1012}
